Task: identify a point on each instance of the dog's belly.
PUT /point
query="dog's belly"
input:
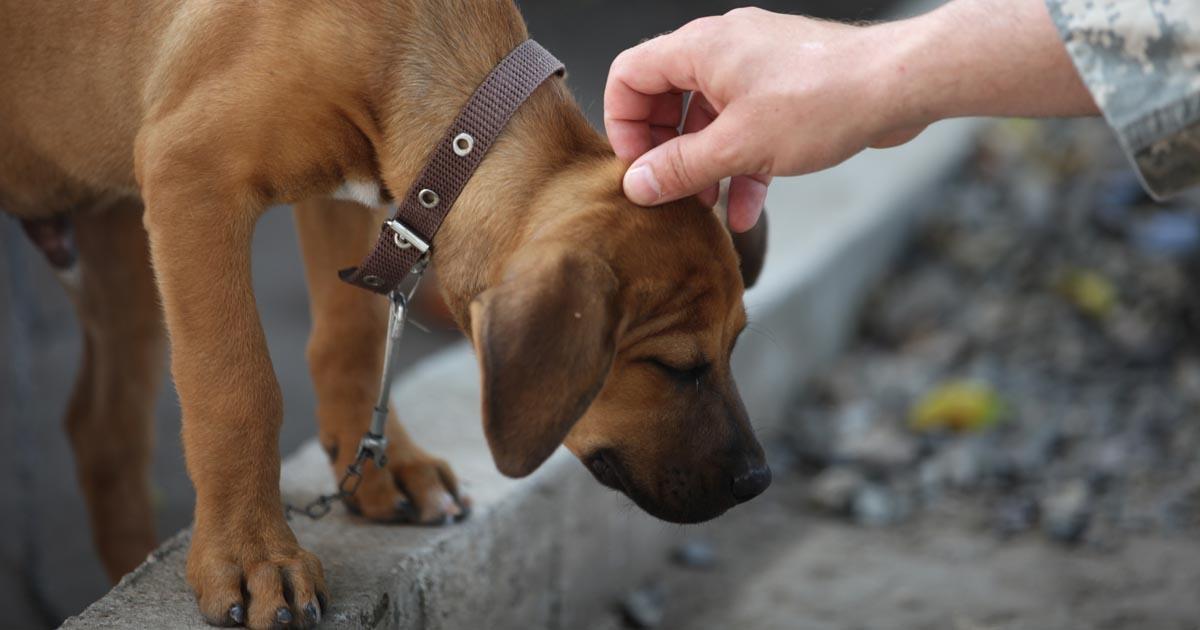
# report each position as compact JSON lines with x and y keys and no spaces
{"x":33,"y":186}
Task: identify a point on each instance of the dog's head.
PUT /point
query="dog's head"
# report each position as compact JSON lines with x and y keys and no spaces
{"x":611,"y":332}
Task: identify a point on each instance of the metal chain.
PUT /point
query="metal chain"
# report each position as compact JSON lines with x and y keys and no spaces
{"x":320,"y":506}
{"x":373,"y":445}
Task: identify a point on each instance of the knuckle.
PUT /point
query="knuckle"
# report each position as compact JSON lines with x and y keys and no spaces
{"x":679,"y":172}
{"x":701,"y":31}
{"x":621,"y":64}
{"x":745,"y":12}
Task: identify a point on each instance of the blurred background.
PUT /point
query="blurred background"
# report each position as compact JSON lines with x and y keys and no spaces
{"x":1019,"y":398}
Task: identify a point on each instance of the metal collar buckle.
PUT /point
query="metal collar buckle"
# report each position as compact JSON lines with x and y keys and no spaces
{"x":405,"y":238}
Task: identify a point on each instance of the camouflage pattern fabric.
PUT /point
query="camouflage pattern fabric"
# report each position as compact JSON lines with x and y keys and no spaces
{"x":1141,"y":61}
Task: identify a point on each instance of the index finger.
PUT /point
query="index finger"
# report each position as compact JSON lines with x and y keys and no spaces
{"x":636,"y":81}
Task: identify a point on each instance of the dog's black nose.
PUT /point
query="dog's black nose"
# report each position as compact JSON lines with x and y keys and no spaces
{"x":751,"y":483}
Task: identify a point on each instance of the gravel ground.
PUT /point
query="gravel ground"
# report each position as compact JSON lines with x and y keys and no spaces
{"x":1036,"y":349}
{"x":1011,"y":439}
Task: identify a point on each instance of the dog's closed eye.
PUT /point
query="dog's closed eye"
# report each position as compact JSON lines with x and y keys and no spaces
{"x":689,"y":374}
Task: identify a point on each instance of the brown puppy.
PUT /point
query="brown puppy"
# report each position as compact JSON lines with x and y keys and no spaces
{"x":597,"y":324}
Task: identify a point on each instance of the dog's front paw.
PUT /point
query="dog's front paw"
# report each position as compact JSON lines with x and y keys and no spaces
{"x":255,"y":577}
{"x":414,"y":488}
{"x":430,"y":485}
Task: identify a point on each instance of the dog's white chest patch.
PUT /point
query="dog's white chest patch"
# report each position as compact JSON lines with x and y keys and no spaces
{"x":368,"y":192}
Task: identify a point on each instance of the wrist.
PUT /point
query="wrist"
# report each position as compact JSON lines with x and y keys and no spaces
{"x":917,"y":83}
{"x":980,"y":58}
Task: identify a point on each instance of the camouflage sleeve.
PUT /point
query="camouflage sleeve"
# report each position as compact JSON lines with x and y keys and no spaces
{"x":1141,"y":61}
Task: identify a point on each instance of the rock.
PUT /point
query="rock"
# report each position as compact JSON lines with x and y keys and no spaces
{"x":1107,"y":462}
{"x":880,"y":447}
{"x":914,"y":305}
{"x":938,"y":350}
{"x":1166,"y":233}
{"x":964,"y":461}
{"x":835,"y":488}
{"x":1181,"y":509}
{"x":875,"y":506}
{"x":931,"y":479}
{"x":1042,"y":448}
{"x":1138,"y":337}
{"x":1066,"y":512}
{"x":695,"y":554}
{"x":1014,"y":515}
{"x":987,"y":319}
{"x":643,"y":608}
{"x":820,"y":430}
{"x":1187,"y":379}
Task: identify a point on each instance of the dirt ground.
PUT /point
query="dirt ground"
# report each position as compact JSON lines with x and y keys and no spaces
{"x":777,"y":567}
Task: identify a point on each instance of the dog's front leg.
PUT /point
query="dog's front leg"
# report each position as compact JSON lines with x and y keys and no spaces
{"x":345,"y":355}
{"x":245,"y":564}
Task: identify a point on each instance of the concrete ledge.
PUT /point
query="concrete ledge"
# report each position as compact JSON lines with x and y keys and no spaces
{"x":524,"y":559}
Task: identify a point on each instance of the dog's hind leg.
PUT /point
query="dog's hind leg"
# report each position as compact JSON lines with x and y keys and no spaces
{"x":345,"y":356}
{"x":110,"y":417}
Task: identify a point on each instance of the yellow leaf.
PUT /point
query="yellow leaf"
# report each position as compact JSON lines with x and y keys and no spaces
{"x":956,"y":406}
{"x":1090,"y":292}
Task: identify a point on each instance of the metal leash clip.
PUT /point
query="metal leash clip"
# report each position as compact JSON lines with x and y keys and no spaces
{"x":373,"y":445}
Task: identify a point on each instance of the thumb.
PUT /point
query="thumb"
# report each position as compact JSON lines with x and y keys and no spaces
{"x":686,"y":165}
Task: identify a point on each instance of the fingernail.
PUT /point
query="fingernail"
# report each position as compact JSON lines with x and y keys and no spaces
{"x":642,"y":186}
{"x":283,"y":616}
{"x":237,"y":614}
{"x":312,"y":613}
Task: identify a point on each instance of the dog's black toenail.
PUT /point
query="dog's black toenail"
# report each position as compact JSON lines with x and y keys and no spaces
{"x":312,"y":613}
{"x":237,"y":614}
{"x":283,"y":616}
{"x":405,"y":511}
{"x":323,"y":601}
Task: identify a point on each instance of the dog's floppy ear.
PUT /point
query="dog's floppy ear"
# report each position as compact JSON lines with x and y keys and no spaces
{"x":751,"y":247}
{"x":545,"y":339}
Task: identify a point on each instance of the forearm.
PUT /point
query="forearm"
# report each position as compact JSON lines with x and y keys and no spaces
{"x":981,"y":58}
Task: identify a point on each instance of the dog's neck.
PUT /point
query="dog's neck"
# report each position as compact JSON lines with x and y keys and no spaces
{"x":439,"y":57}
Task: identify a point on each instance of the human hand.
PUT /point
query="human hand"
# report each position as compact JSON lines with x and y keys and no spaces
{"x":779,"y":95}
{"x":774,"y":95}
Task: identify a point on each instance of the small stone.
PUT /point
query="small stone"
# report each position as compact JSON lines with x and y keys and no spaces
{"x":931,"y":479}
{"x":1138,"y":336}
{"x":1108,"y":461}
{"x":914,"y":305}
{"x":834,"y":488}
{"x":1066,"y":512}
{"x":643,"y":608}
{"x":1187,"y":379}
{"x":876,"y":506}
{"x":695,"y":554}
{"x":963,"y":463}
{"x":1015,"y":515}
{"x":1042,"y":449}
{"x":939,"y":349}
{"x":879,"y":447}
{"x":1168,"y":234}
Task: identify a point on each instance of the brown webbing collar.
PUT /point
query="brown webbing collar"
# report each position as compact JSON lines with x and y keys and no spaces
{"x":405,"y":240}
